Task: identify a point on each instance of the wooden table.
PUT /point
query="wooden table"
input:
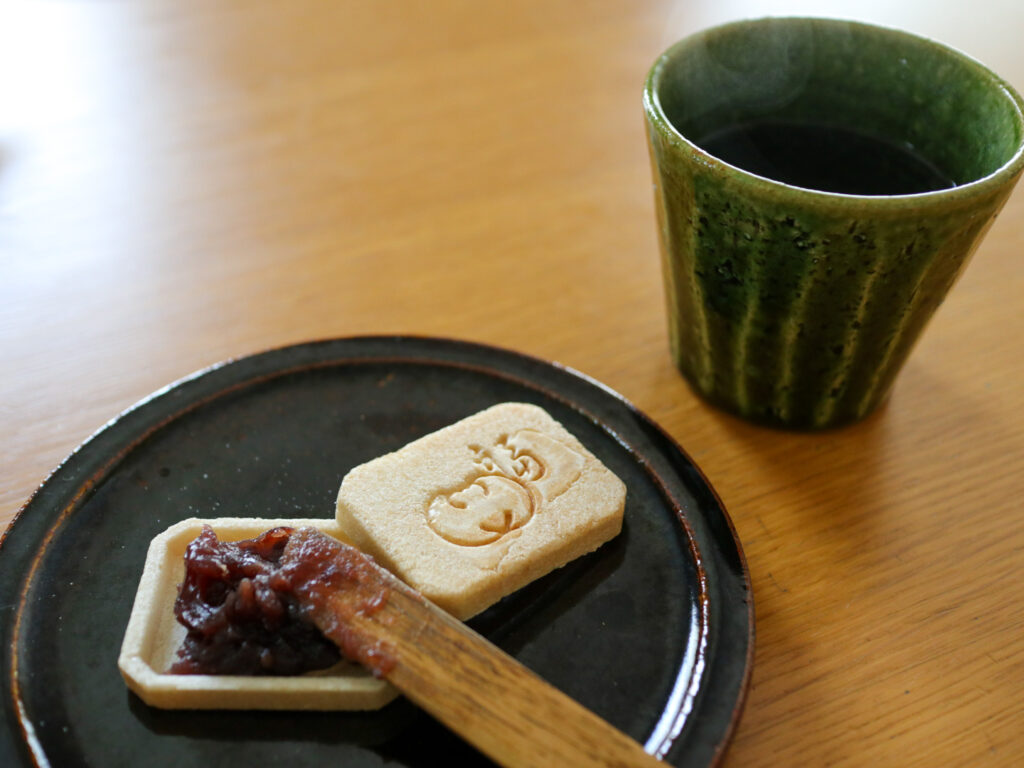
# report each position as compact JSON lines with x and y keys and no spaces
{"x":183,"y":182}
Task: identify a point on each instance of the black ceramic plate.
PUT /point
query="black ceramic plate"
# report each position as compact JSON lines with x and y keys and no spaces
{"x":654,"y":631}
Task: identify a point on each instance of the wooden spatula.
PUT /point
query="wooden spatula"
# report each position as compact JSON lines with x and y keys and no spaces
{"x":470,"y":685}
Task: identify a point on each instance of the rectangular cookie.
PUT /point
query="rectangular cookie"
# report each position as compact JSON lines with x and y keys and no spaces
{"x":478,"y":509}
{"x":154,"y":635}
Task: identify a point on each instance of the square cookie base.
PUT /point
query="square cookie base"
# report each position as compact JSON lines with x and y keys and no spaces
{"x":154,"y":635}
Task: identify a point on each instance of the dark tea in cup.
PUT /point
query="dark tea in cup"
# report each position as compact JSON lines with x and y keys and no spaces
{"x":828,"y":158}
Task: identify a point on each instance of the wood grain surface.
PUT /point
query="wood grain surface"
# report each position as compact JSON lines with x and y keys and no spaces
{"x":183,"y":182}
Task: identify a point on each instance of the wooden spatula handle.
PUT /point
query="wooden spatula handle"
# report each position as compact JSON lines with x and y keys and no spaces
{"x":466,"y":682}
{"x":486,"y":696}
{"x":500,"y":706}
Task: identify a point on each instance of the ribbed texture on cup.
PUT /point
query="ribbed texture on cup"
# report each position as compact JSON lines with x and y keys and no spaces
{"x":794,"y":318}
{"x":796,"y":307}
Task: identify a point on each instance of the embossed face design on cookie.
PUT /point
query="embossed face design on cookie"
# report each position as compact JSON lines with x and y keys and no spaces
{"x":512,"y":480}
{"x":483,"y":512}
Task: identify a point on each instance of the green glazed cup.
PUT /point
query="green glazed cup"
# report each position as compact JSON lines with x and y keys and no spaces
{"x":796,"y":307}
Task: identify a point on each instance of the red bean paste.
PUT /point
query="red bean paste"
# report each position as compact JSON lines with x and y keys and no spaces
{"x":253,"y":607}
{"x":341,"y":590}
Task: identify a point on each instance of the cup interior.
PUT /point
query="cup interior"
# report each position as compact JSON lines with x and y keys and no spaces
{"x":908,"y":91}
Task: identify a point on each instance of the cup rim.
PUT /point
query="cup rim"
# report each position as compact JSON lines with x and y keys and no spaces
{"x":959,"y":193}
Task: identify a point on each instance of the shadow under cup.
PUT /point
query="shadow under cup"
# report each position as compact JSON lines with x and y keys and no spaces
{"x":795,"y":306}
